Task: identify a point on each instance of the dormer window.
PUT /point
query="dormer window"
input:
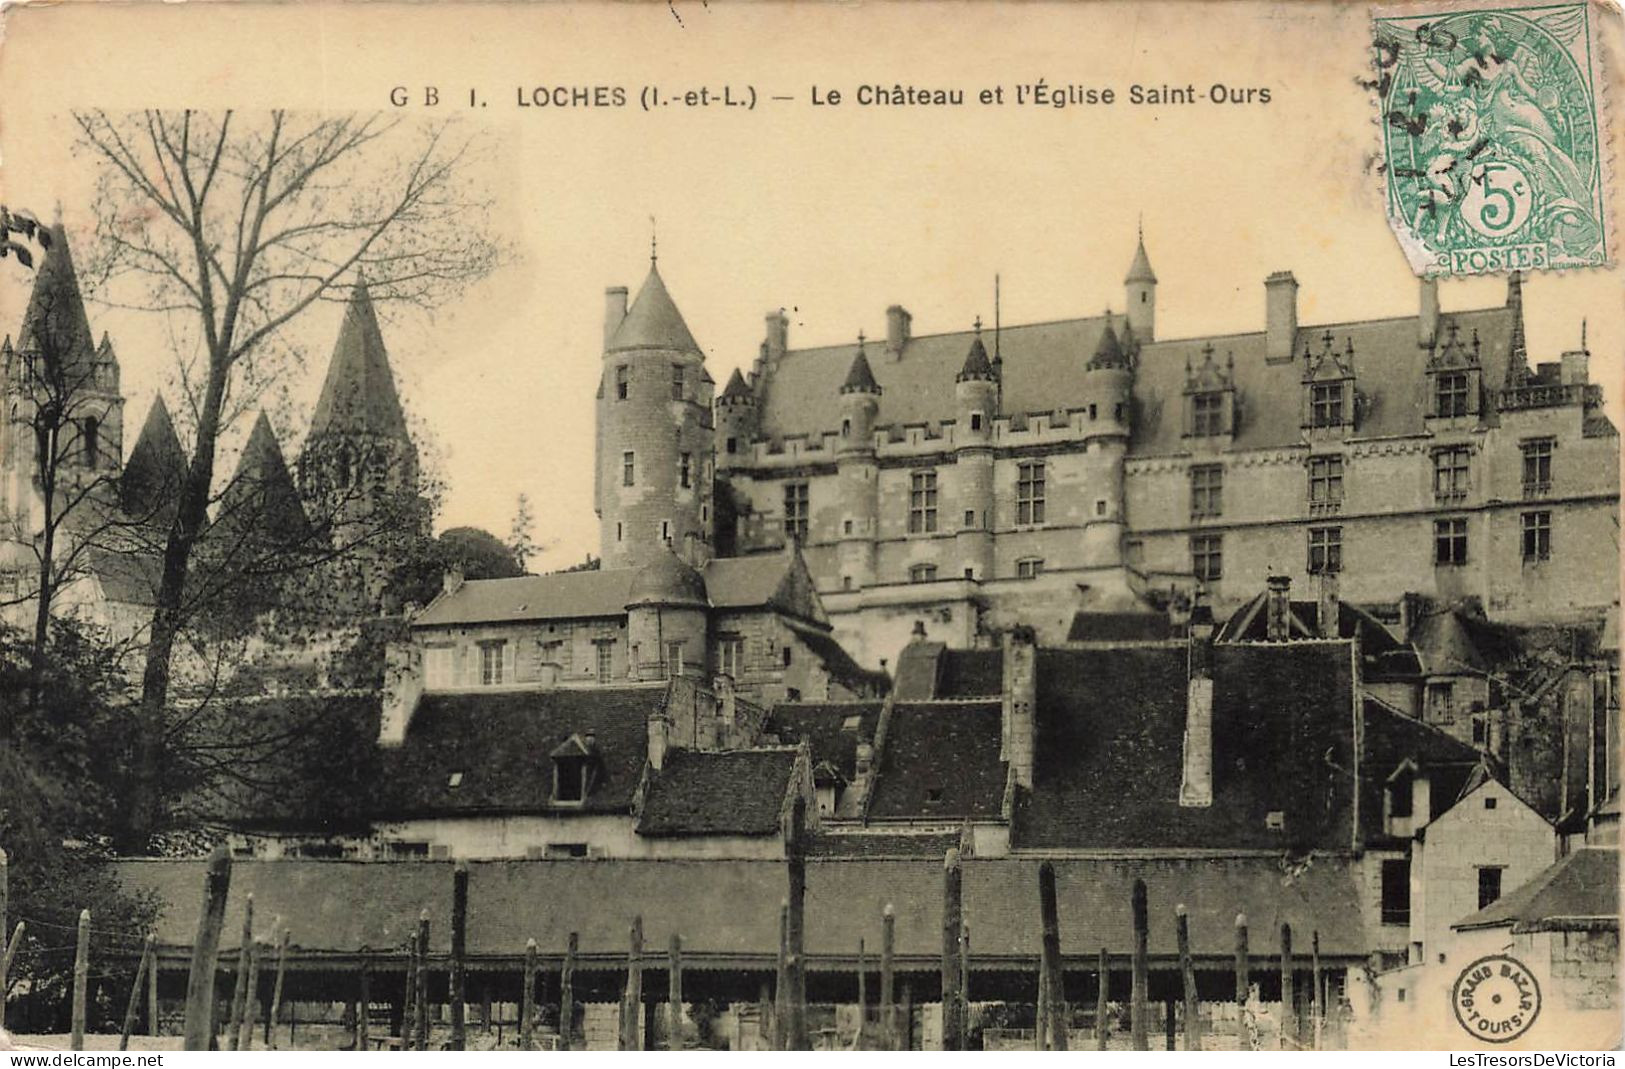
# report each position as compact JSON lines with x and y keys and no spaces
{"x":1451,"y":394}
{"x":1328,"y":386}
{"x":576,"y":765}
{"x":1207,"y":414}
{"x":1210,"y":394}
{"x":1454,"y":372}
{"x":1326,"y":404}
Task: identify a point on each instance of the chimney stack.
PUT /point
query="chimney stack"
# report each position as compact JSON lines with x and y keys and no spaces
{"x":1020,"y":702}
{"x":1326,"y":604}
{"x":659,"y":737}
{"x":403,"y":689}
{"x":898,"y":326}
{"x":451,"y":580}
{"x":1427,"y":315}
{"x":778,"y":335}
{"x":1278,"y":609}
{"x":614,"y":312}
{"x":1576,"y":368}
{"x":1196,"y":780}
{"x":1280,"y":316}
{"x":918,"y":634}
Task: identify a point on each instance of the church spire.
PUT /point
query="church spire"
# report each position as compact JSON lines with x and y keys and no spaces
{"x":150,"y":486}
{"x":261,"y":498}
{"x":359,"y":396}
{"x":55,"y":325}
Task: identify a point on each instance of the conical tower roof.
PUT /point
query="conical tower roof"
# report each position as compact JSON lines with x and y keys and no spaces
{"x":737,"y":389}
{"x":359,"y":394}
{"x":860,"y":379}
{"x":261,"y":495}
{"x":653,"y":321}
{"x":1108,"y":351}
{"x":55,"y":325}
{"x":1140,"y":269}
{"x":150,"y":486}
{"x":976,"y":362}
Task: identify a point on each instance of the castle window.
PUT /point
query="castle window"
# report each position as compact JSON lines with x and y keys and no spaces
{"x":1537,"y":467}
{"x":1450,"y":542}
{"x":1207,"y":414}
{"x":795,"y":511}
{"x":621,"y":382}
{"x":1537,"y":536}
{"x":970,"y":519}
{"x":1031,"y":568}
{"x":922,"y":573}
{"x":90,"y":432}
{"x":846,"y":526}
{"x":1325,"y":482}
{"x":492,"y":657}
{"x":605,"y":660}
{"x":1030,"y":493}
{"x":1450,"y":394}
{"x":1326,"y":404}
{"x":674,"y":660}
{"x":1452,"y":468}
{"x":1441,"y":702}
{"x":1092,"y":410}
{"x":730,"y":655}
{"x":846,"y":582}
{"x":617,"y":531}
{"x":1117,"y":410}
{"x":1396,"y":891}
{"x":922,"y":502}
{"x":677,"y":386}
{"x":1207,"y":490}
{"x":685,"y":469}
{"x":1207,"y":557}
{"x":628,"y":469}
{"x":975,"y":421}
{"x":846,"y":428}
{"x":733,"y":445}
{"x":1325,"y":550}
{"x":1489,"y":885}
{"x":665,"y":531}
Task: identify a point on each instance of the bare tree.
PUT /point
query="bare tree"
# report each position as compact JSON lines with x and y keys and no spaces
{"x":237,"y":226}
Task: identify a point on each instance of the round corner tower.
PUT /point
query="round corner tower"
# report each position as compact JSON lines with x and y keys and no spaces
{"x":653,"y":473}
{"x":976,"y":395}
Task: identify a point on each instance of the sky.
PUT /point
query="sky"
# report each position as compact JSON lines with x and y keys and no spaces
{"x":832,"y":211}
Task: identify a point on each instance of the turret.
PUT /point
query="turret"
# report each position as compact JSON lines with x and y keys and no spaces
{"x":976,"y":391}
{"x":666,"y":611}
{"x":1108,"y":384}
{"x":655,"y":435}
{"x":736,"y":421}
{"x":857,"y":473}
{"x":1140,"y":288}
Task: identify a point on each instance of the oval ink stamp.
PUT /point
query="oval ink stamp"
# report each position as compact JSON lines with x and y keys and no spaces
{"x":1490,"y":126}
{"x":1496,"y":998}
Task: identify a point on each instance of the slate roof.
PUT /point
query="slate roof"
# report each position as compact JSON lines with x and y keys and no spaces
{"x":737,"y":387}
{"x":1043,"y":363}
{"x":150,"y":485}
{"x":822,"y":725}
{"x":732,"y":792}
{"x":976,"y":363}
{"x":727,"y":911}
{"x":1119,"y":627}
{"x":653,"y":321}
{"x":918,"y":667}
{"x":1140,"y":269}
{"x":1386,"y":657}
{"x":837,"y":662}
{"x":1391,"y":738}
{"x":500,"y":743}
{"x":1109,"y":743}
{"x":261,"y":494}
{"x":667,"y":580}
{"x":871,"y":844}
{"x":358,"y":395}
{"x":860,"y":377}
{"x":1579,"y":893}
{"x":941,"y":760}
{"x":971,"y":674}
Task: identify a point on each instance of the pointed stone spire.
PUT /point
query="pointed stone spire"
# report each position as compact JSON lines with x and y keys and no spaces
{"x":1140,"y":269}
{"x":1517,"y":346}
{"x":977,"y":366}
{"x":359,"y":396}
{"x":860,"y":378}
{"x":1108,"y":351}
{"x":55,"y":326}
{"x":736,"y":386}
{"x":261,"y":496}
{"x":653,"y":321}
{"x":150,"y":487}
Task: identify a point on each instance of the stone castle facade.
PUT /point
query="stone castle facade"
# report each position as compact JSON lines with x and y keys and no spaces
{"x":1070,"y":473}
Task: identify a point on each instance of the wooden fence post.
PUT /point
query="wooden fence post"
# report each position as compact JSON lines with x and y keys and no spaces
{"x":1187,"y":972}
{"x":459,"y":948}
{"x":964,"y":983}
{"x":1289,"y":1027}
{"x":781,"y":989}
{"x":1244,"y":983}
{"x":1317,"y":1001}
{"x":567,"y":998}
{"x":1050,"y":963}
{"x":251,"y":1004}
{"x":1102,"y":995}
{"x":796,"y":863}
{"x":423,"y":981}
{"x":8,"y":952}
{"x":240,"y":990}
{"x":363,"y":1020}
{"x":906,"y":1011}
{"x":888,"y":992}
{"x":527,"y":999}
{"x":1140,"y":975}
{"x":275,"y":1011}
{"x":153,"y":1012}
{"x":632,"y":1004}
{"x":81,"y":978}
{"x":674,"y":993}
{"x":863,"y":993}
{"x":952,"y":917}
{"x":409,"y":999}
{"x":205,"y":949}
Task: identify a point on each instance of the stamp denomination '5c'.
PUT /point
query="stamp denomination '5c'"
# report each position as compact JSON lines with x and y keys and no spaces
{"x":1491,"y":122}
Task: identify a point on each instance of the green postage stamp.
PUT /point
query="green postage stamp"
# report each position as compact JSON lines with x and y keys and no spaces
{"x":1491,"y":126}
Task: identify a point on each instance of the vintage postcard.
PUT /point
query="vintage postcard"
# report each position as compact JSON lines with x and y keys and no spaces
{"x":869,"y":527}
